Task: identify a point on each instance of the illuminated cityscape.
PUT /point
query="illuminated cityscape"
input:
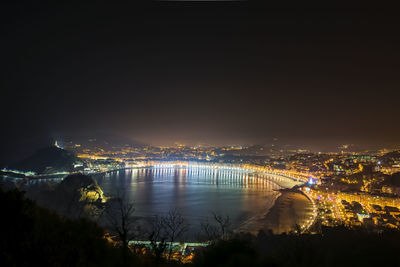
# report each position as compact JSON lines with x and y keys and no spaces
{"x":346,"y":187}
{"x":199,"y":133}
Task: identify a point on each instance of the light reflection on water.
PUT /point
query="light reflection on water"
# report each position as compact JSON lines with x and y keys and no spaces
{"x":195,"y":192}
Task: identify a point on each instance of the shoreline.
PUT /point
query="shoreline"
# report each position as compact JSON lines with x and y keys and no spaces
{"x":291,"y":208}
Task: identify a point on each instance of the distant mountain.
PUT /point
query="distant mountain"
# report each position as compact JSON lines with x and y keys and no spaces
{"x":49,"y":160}
{"x":102,"y":140}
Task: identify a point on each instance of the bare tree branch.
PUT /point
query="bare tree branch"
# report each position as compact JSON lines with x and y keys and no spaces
{"x":119,"y":214}
{"x":219,"y":229}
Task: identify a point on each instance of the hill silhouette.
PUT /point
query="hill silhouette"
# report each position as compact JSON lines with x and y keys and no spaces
{"x":49,"y":160}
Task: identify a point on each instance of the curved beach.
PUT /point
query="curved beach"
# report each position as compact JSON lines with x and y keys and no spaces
{"x":290,"y":208}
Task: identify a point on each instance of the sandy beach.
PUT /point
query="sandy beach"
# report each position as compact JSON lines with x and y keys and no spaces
{"x":290,"y":208}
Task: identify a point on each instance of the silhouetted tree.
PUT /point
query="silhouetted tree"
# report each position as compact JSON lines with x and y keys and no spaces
{"x":119,"y":214}
{"x":218,"y":228}
{"x":175,"y":226}
{"x":157,"y":237}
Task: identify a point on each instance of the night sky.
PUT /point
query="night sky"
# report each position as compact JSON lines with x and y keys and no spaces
{"x":217,"y":73}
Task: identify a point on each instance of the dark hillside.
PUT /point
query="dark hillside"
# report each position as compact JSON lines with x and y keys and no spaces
{"x":49,"y":160}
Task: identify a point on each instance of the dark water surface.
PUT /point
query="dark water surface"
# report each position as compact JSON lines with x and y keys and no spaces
{"x":195,"y":192}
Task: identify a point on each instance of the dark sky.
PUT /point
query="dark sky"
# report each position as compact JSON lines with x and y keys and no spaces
{"x":226,"y":72}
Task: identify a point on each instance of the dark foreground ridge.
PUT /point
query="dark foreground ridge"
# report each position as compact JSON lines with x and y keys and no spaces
{"x":34,"y":236}
{"x":49,"y":160}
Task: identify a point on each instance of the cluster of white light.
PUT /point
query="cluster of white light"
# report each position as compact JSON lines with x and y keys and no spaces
{"x":225,"y":167}
{"x":165,"y":165}
{"x":27,"y":173}
{"x":231,"y":167}
{"x":196,"y":165}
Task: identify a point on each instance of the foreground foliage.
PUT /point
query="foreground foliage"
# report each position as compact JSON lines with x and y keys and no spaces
{"x":34,"y":236}
{"x":337,"y":246}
